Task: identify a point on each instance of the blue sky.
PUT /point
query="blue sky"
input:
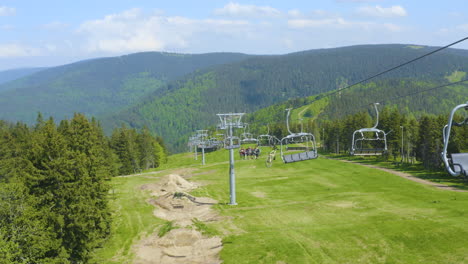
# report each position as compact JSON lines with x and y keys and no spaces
{"x":48,"y":33}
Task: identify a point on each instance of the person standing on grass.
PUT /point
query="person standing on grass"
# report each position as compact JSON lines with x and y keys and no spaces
{"x":256,"y":152}
{"x":242,"y":153}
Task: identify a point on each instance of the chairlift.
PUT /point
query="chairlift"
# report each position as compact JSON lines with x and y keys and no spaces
{"x":365,"y":136}
{"x":456,"y":164}
{"x":302,"y":142}
{"x":247,"y":137}
{"x":232,"y":142}
{"x":228,"y":122}
{"x":266,"y":140}
{"x":215,"y":142}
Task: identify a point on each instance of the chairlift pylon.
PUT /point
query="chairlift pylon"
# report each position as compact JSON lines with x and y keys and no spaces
{"x":456,"y":164}
{"x":303,"y":142}
{"x":357,"y":146}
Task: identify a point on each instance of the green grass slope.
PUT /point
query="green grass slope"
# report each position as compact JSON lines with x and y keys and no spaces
{"x":99,"y":86}
{"x":326,"y":211}
{"x":262,"y":81}
{"x":132,"y":219}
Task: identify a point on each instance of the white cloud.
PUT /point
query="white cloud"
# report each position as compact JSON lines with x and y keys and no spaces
{"x":15,"y":50}
{"x":133,"y":31}
{"x":295,"y":13}
{"x":341,"y":23}
{"x":7,"y":11}
{"x":250,"y":11}
{"x":326,"y":22}
{"x":378,"y":11}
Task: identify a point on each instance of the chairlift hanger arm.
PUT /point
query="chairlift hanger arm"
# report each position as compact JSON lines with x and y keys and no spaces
{"x":287,"y":120}
{"x":464,"y":122}
{"x":377,"y":117}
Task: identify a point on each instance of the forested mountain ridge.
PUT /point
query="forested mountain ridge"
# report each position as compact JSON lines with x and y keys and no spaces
{"x":99,"y":86}
{"x":257,"y":82}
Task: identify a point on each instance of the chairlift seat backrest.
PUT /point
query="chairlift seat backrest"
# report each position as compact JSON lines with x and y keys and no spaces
{"x":369,"y":152}
{"x":297,"y":148}
{"x":460,"y":163}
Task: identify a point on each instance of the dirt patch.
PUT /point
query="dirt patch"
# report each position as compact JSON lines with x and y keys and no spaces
{"x":180,"y":245}
{"x":171,"y":183}
{"x":410,"y":177}
{"x":181,"y":210}
{"x":185,"y":172}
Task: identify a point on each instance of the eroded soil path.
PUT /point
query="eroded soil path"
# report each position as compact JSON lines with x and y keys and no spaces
{"x":184,"y":244}
{"x":409,"y":177}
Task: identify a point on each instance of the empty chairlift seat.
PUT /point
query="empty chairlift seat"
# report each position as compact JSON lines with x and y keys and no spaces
{"x":288,"y":158}
{"x":456,"y":164}
{"x":460,"y":163}
{"x":371,"y":136}
{"x":303,"y":142}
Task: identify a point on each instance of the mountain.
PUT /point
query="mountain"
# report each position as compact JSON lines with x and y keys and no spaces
{"x":10,"y":75}
{"x":99,"y":86}
{"x":192,"y":102}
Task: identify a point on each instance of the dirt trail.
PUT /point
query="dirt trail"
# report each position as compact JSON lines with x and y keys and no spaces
{"x":184,"y":244}
{"x":409,"y":177}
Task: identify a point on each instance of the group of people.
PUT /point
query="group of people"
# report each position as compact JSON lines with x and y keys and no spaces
{"x":249,"y":153}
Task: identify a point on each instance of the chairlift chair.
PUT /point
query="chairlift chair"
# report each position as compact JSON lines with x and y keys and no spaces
{"x":456,"y":164}
{"x":232,"y":142}
{"x":266,"y":140}
{"x":303,"y":142}
{"x":374,"y":136}
{"x":247,"y":137}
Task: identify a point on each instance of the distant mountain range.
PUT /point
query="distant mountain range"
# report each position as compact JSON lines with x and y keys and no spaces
{"x":176,"y":94}
{"x":99,"y":86}
{"x":11,"y":75}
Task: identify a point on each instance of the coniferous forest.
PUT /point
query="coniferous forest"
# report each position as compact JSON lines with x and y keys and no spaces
{"x":54,"y":185}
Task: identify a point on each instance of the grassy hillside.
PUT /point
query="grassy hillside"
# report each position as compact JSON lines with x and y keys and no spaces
{"x":99,"y":86}
{"x":317,"y":211}
{"x":258,"y":82}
